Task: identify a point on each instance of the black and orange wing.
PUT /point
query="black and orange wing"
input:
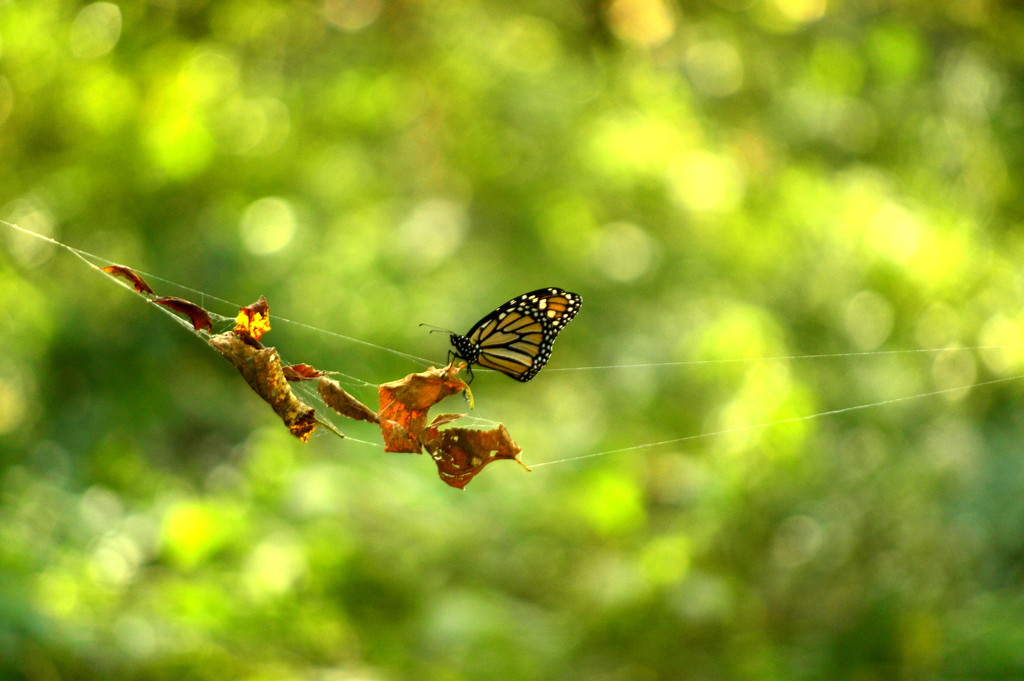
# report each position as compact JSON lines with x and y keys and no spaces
{"x":516,"y":339}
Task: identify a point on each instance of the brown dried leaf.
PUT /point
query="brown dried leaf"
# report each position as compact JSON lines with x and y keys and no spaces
{"x":253,"y":320}
{"x":133,"y":278}
{"x":442,"y":419}
{"x":404,"y":404}
{"x":336,"y":398}
{"x":303,"y":425}
{"x":200,"y":318}
{"x":261,"y":368}
{"x":461,"y":453}
{"x":302,"y":372}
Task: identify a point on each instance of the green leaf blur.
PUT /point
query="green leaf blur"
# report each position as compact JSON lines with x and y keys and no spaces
{"x":719,"y":179}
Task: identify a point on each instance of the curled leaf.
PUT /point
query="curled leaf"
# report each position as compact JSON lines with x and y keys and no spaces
{"x":261,"y":368}
{"x":301,"y":372}
{"x":253,"y":320}
{"x":303,"y":425}
{"x":461,"y":453}
{"x":442,"y":419}
{"x":404,"y":404}
{"x":200,"y":318}
{"x":336,"y":398}
{"x":133,"y":278}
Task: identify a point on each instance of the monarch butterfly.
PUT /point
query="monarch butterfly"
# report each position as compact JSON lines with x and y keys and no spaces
{"x":516,"y":338}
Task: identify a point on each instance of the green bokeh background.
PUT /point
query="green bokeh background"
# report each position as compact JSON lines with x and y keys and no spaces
{"x":719,"y":180}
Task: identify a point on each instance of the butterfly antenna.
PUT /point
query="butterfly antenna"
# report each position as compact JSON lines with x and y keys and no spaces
{"x":437,"y":329}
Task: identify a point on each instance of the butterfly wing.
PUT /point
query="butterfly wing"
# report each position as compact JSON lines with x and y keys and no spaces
{"x":516,"y":338}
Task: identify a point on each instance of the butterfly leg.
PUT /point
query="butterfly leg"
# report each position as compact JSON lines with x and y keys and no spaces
{"x":452,"y":356}
{"x":466,"y":392}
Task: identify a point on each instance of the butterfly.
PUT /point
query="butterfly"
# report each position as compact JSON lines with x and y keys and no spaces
{"x":516,"y":338}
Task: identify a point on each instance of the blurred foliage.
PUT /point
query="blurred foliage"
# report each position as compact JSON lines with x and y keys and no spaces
{"x":719,"y":180}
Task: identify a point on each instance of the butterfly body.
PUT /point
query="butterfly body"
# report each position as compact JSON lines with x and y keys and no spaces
{"x":517,"y":337}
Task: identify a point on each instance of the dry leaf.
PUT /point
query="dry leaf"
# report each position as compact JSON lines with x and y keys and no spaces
{"x":302,"y":372}
{"x":404,"y":404}
{"x":261,"y":368}
{"x":133,"y":278}
{"x":336,"y":398}
{"x":442,"y":419}
{"x":200,"y":318}
{"x":253,"y":320}
{"x":461,"y":453}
